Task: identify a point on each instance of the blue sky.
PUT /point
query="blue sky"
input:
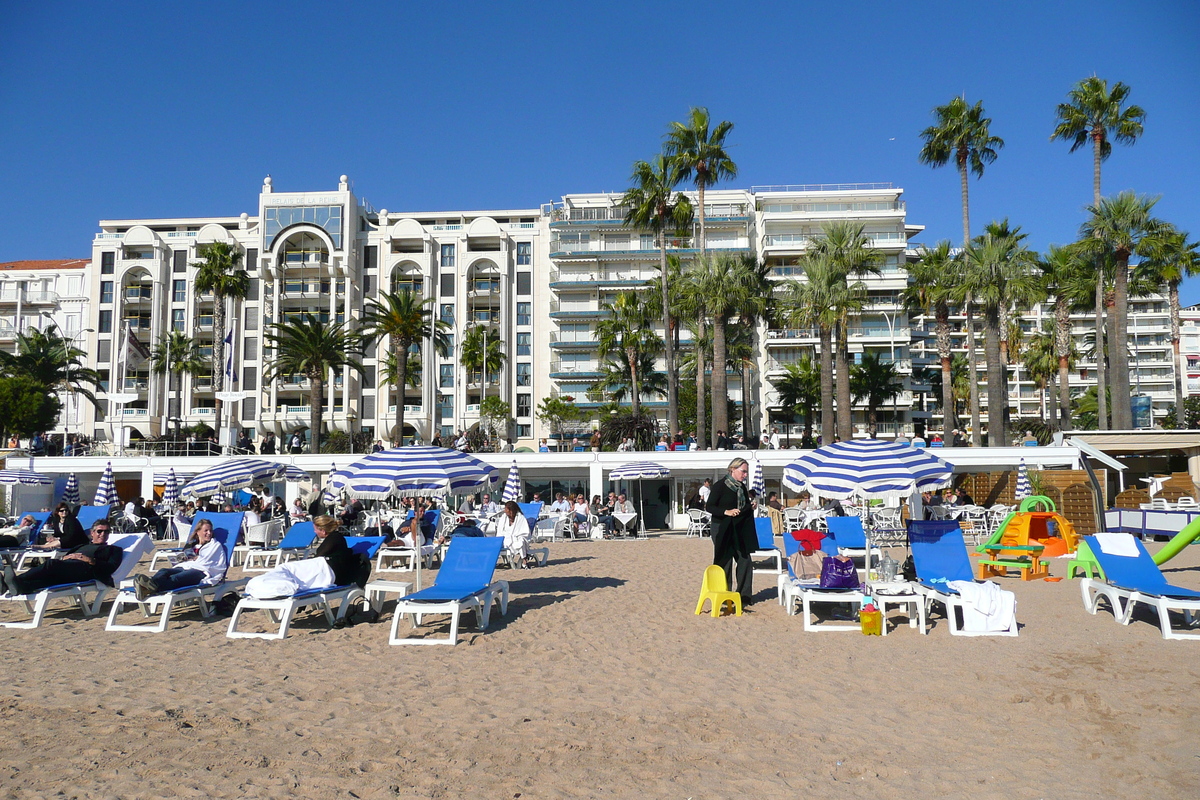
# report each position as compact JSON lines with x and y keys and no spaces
{"x":121,"y":110}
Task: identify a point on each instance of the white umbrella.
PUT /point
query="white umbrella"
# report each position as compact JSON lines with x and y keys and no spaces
{"x":237,"y":473}
{"x":170,"y":491}
{"x":637,"y":470}
{"x":24,"y":477}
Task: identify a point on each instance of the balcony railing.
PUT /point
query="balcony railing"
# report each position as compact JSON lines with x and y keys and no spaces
{"x":833,"y":208}
{"x":582,"y":309}
{"x":9,"y":295}
{"x":407,"y":409}
{"x":574,"y":367}
{"x":598,"y":276}
{"x":587,"y":339}
{"x":793,"y":333}
{"x":802,"y":240}
{"x":203,"y":411}
{"x":135,"y":412}
{"x":137,"y":384}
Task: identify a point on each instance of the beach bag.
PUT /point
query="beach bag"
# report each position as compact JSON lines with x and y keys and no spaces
{"x":838,"y":573}
{"x":807,"y":566}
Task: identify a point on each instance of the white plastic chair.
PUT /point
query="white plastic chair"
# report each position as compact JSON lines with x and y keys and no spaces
{"x":699,"y":523}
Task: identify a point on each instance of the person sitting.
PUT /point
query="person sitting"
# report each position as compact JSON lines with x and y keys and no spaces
{"x":560,"y":505}
{"x":603,"y":513}
{"x":581,"y":509}
{"x":419,"y":521}
{"x":513,"y":528}
{"x":158,"y":523}
{"x":95,"y":559}
{"x":62,"y":531}
{"x":488,"y":508}
{"x":135,"y":511}
{"x":298,"y":513}
{"x":623,"y":506}
{"x":773,"y":501}
{"x":333,"y":564}
{"x":626,"y":445}
{"x":961,"y":498}
{"x":204,"y":564}
{"x":695,"y":502}
{"x":352,"y":512}
{"x":466,"y":507}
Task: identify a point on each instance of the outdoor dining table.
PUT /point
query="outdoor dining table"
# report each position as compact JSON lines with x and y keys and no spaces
{"x":625,"y":518}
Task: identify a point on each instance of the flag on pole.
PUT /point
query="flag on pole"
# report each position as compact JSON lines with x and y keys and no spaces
{"x":136,"y":353}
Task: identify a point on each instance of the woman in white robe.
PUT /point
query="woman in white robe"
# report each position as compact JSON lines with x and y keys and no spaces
{"x":332,"y":565}
{"x":512,"y":526}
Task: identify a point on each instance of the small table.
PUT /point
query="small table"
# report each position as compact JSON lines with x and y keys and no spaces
{"x":625,"y":519}
{"x":897,"y":593}
{"x":377,"y":592}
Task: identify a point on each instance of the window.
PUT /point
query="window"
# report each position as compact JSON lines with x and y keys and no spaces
{"x":249,"y":379}
{"x":524,"y":374}
{"x":524,"y":345}
{"x":177,"y":322}
{"x":106,"y":291}
{"x":447,"y":255}
{"x":446,"y":406}
{"x":179,"y":261}
{"x":107,"y":263}
{"x":524,"y":254}
{"x":524,"y":431}
{"x":104,"y":324}
{"x":447,"y":313}
{"x":178,"y":291}
{"x":524,"y":313}
{"x":368,"y":285}
{"x":252,"y":319}
{"x":447,"y":289}
{"x":524,"y":284}
{"x":103,"y":382}
{"x":646,"y":242}
{"x":368,"y":377}
{"x":252,"y":289}
{"x":250,"y":349}
{"x":524,"y":405}
{"x":446,"y":376}
{"x":249,"y":408}
{"x":370,"y":258}
{"x":104,"y":351}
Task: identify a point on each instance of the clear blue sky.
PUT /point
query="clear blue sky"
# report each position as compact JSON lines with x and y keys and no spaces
{"x":117,"y":110}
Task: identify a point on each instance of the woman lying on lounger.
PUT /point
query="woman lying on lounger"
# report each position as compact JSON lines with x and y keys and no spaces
{"x":206,"y":564}
{"x":334,"y":564}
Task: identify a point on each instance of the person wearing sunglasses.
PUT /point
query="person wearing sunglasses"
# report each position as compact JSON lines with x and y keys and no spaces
{"x":94,"y":560}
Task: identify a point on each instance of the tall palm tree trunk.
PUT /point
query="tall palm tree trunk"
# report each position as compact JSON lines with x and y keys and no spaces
{"x":635,"y":392}
{"x":316,"y":404}
{"x":701,"y":415}
{"x":1173,"y":301}
{"x":1101,"y":367}
{"x":720,"y":382}
{"x":827,"y":414}
{"x":401,"y":382}
{"x":973,"y":376}
{"x":668,"y":342}
{"x":997,"y":399}
{"x":946,"y":354}
{"x":1062,"y":347}
{"x":966,"y":204}
{"x":218,"y":362}
{"x":1122,"y":412}
{"x":845,"y":403}
{"x":700,"y":219}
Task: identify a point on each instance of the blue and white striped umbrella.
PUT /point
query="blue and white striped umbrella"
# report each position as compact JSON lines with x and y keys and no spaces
{"x":170,"y":490}
{"x":1024,"y":489}
{"x":757,"y":483}
{"x":636,"y":470}
{"x":871,"y":468}
{"x":330,"y":496}
{"x":293,"y":474}
{"x":414,"y":472}
{"x":237,"y":473}
{"x":217,"y":498}
{"x":512,"y":486}
{"x":24,"y":477}
{"x":106,"y":492}
{"x":71,"y":490}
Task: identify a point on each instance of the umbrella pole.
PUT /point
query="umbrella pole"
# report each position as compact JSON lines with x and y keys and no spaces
{"x":641,"y":508}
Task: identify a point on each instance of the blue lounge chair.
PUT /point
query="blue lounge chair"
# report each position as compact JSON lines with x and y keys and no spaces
{"x":464,"y":581}
{"x":18,"y":554}
{"x":766,"y":546}
{"x":135,"y":546}
{"x":226,"y":528}
{"x":1137,"y":579}
{"x":282,"y":609}
{"x":847,"y":535}
{"x":940,"y":556}
{"x":295,"y":544}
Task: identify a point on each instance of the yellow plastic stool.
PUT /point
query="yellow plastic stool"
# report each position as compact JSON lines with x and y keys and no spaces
{"x":713,"y":589}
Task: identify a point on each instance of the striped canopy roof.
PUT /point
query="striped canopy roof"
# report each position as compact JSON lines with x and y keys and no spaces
{"x":870,"y":468}
{"x":237,"y":473}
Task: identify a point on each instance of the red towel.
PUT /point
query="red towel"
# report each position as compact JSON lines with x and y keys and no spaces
{"x":809,"y":540}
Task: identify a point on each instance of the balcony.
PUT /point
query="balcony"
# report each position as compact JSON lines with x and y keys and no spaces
{"x":484,"y":292}
{"x":572,"y":341}
{"x":136,"y":384}
{"x":417,"y":409}
{"x":135,"y":413}
{"x":203,"y":412}
{"x":299,"y":289}
{"x":560,"y":309}
{"x":779,"y":335}
{"x":574,"y":369}
{"x":800,"y":241}
{"x":623,"y":278}
{"x":603,"y":214}
{"x":874,"y":208}
{"x":9,"y":294}
{"x":475,"y":377}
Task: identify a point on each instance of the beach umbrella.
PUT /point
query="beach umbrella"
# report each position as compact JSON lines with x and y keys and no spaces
{"x":512,"y":486}
{"x":106,"y":492}
{"x":217,"y":498}
{"x":170,"y":490}
{"x":293,"y":474}
{"x":71,"y":490}
{"x":414,"y":472}
{"x":330,"y":495}
{"x":870,"y":468}
{"x":1023,"y":488}
{"x":24,"y":477}
{"x":237,"y":473}
{"x":757,"y":483}
{"x":638,"y":470}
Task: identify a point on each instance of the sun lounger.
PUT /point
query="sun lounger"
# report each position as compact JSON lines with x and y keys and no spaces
{"x":1134,"y":578}
{"x":940,"y":556}
{"x":848,"y":536}
{"x":225,"y":531}
{"x":135,"y":546}
{"x":766,"y":547}
{"x":464,"y":581}
{"x":17,"y":555}
{"x":283,"y":609}
{"x":294,"y":545}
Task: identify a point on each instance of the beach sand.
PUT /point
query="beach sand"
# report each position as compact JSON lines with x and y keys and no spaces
{"x":601,"y":682}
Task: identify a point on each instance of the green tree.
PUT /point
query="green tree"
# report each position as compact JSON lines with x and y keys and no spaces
{"x":653,"y":204}
{"x":1189,"y":413}
{"x":960,"y":388}
{"x":1124,"y":225}
{"x":1067,"y":275}
{"x":693,"y":307}
{"x":557,"y":411}
{"x":812,"y":303}
{"x":627,"y":330}
{"x":698,"y":151}
{"x":962,"y":133}
{"x":482,"y":350}
{"x":176,"y":354}
{"x":27,"y":406}
{"x":800,"y":387}
{"x":931,"y":289}
{"x":617,"y":379}
{"x":406,"y":319}
{"x":1084,"y":410}
{"x":1169,"y":258}
{"x":876,"y":382}
{"x":1040,"y":360}
{"x":52,"y":360}
{"x":313,"y":349}
{"x":496,"y":415}
{"x":220,"y":273}
{"x":1093,"y":113}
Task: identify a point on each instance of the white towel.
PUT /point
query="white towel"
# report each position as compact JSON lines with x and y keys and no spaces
{"x":986,"y":607}
{"x":1117,"y":544}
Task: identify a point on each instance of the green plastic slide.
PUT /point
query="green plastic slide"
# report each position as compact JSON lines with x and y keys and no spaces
{"x":1178,"y":542}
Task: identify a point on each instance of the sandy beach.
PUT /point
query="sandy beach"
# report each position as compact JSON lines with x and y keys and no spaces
{"x":600,"y":682}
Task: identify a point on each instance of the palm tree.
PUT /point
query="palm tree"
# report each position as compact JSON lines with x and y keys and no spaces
{"x":482,"y":353}
{"x":726,"y":284}
{"x":960,"y":390}
{"x":1093,"y":114}
{"x":654,"y":204}
{"x":996,"y":269}
{"x":627,"y":330}
{"x":800,"y":386}
{"x":52,"y":360}
{"x":617,"y":381}
{"x":693,"y":306}
{"x":1123,"y":224}
{"x":699,"y":154}
{"x":221,"y":274}
{"x":1169,"y":258}
{"x":313,"y":349}
{"x":758,"y":302}
{"x":931,"y":288}
{"x":961,"y":133}
{"x":176,"y":354}
{"x":1067,"y":275}
{"x":406,"y":319}
{"x":851,"y":256}
{"x":1040,"y":360}
{"x":876,"y":382}
{"x":811,"y":303}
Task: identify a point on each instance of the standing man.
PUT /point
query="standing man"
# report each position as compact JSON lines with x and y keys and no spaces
{"x":774,"y":440}
{"x":733,"y":532}
{"x":705,"y":490}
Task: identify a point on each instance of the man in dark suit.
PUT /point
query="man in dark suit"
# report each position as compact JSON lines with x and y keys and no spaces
{"x":733,"y":532}
{"x":96,"y":560}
